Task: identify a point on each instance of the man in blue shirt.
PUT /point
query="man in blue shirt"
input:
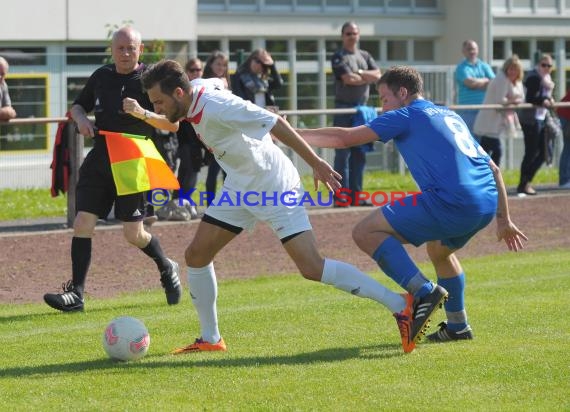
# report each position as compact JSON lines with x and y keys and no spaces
{"x":472,"y":76}
{"x":461,"y":191}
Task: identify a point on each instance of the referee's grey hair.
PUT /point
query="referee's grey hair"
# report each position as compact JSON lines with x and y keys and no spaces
{"x":129,"y":30}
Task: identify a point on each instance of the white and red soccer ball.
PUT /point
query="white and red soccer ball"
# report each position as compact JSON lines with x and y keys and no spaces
{"x":126,"y":339}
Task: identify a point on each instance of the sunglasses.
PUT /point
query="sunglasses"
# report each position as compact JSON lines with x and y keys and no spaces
{"x":195,"y":69}
{"x":545,"y":65}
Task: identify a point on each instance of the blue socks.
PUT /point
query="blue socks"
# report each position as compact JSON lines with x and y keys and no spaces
{"x":396,"y":263}
{"x":455,"y":305}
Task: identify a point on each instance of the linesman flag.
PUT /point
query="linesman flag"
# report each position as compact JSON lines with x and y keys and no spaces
{"x":136,"y":164}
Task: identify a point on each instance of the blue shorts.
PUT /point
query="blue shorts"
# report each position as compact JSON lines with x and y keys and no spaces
{"x":419,"y":219}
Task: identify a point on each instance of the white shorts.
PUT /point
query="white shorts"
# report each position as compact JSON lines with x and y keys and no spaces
{"x":245,"y":209}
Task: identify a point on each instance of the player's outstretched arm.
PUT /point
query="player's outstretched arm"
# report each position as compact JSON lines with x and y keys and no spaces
{"x":322,"y":171}
{"x":338,"y":137}
{"x":158,"y":121}
{"x":506,"y":229}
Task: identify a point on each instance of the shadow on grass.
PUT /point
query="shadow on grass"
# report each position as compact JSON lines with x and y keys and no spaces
{"x":324,"y":355}
{"x":52,"y":313}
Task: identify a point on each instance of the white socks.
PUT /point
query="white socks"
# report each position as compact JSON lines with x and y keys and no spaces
{"x":348,"y":278}
{"x":203,"y":293}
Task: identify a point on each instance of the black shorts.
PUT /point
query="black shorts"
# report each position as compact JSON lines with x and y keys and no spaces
{"x":96,"y":192}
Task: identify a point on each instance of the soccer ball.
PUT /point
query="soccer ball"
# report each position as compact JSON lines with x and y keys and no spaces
{"x":126,"y":339}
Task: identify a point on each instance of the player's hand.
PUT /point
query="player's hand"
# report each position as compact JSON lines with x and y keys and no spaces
{"x":507,"y":231}
{"x":325,"y":173}
{"x":132,"y":107}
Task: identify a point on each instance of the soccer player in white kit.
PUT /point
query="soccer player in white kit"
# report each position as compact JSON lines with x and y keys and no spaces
{"x":238,"y":133}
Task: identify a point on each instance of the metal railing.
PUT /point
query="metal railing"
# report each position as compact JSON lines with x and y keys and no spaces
{"x":76,"y":145}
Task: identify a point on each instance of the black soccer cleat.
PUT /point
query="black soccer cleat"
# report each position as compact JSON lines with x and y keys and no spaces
{"x":446,"y":335}
{"x":68,"y":301}
{"x":170,"y":280}
{"x":424,"y":309}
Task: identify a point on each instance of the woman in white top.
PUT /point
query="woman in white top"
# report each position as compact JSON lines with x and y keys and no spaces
{"x":492,"y":124}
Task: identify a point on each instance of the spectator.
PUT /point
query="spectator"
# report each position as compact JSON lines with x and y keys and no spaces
{"x":472,"y":76}
{"x":238,"y":132}
{"x":492,"y":124}
{"x":7,"y":112}
{"x":256,"y":79}
{"x":564,"y":165}
{"x":216,"y":67}
{"x":354,"y":70}
{"x":539,"y":87}
{"x":114,"y":92}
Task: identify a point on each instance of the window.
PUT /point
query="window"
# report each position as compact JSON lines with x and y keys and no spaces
{"x":522,"y":4}
{"x":371,"y":3}
{"x":426,"y":4}
{"x":499,"y":50}
{"x":331,"y":47}
{"x":206,"y":47}
{"x":372,"y":47}
{"x":86,"y":55}
{"x":307,"y":50}
{"x":74,"y":87}
{"x":281,"y":3}
{"x":29,"y":98}
{"x":24,"y":56}
{"x":242,"y":2}
{"x":545,"y":46}
{"x":278,"y":49}
{"x":239,"y":50}
{"x":400,"y":3}
{"x":546,"y":4}
{"x":309,"y":3}
{"x":281,"y":94}
{"x":423,"y":50}
{"x":206,"y":3}
{"x":397,"y":50}
{"x":308,"y":97}
{"x":338,"y":3}
{"x":522,"y":49}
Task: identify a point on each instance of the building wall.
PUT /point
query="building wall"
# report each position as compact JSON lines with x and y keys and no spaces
{"x":69,"y":20}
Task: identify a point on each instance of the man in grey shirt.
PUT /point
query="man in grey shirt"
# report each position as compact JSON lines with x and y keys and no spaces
{"x":354,"y":70}
{"x":7,"y":112}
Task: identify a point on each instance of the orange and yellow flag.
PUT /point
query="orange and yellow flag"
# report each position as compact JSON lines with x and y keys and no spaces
{"x":136,"y":164}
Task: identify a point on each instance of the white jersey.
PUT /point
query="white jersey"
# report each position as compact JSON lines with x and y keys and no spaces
{"x":237,"y":133}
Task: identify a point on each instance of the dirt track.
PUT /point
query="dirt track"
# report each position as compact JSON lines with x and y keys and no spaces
{"x":32,"y":264}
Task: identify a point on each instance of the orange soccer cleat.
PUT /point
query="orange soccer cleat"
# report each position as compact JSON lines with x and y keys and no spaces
{"x":404,"y":320}
{"x":201,"y":345}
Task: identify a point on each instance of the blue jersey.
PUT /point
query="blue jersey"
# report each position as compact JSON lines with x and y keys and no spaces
{"x":441,"y":155}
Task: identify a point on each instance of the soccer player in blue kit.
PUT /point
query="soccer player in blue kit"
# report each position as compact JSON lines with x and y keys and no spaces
{"x":462,"y":190}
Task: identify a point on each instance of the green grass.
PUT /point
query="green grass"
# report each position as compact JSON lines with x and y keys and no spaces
{"x":294,"y":345}
{"x":38,"y":203}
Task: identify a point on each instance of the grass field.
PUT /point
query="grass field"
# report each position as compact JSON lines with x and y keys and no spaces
{"x":38,"y":203}
{"x":294,"y":345}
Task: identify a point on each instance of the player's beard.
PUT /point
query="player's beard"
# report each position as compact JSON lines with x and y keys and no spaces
{"x":179,"y":112}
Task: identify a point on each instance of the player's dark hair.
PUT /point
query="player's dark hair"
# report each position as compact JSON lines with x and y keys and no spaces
{"x":402,"y":76}
{"x":169,"y":74}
